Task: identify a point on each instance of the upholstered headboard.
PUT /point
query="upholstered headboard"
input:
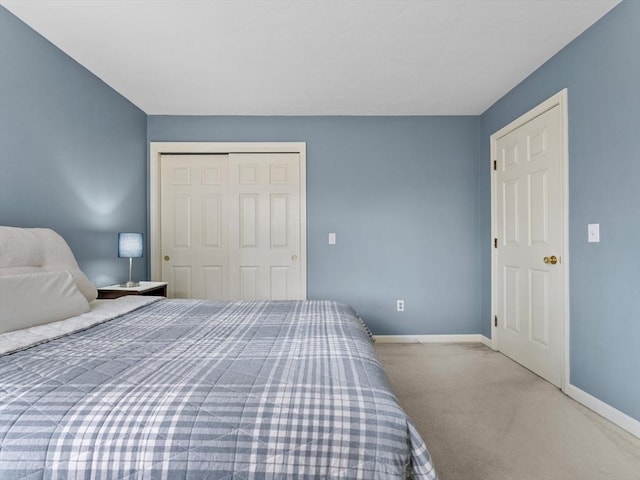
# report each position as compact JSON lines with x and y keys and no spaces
{"x":39,"y":250}
{"x":40,"y":281}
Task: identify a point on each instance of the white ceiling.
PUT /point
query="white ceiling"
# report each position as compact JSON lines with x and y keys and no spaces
{"x":311,"y":57}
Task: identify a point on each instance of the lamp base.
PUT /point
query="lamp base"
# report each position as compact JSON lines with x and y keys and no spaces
{"x":130,"y":284}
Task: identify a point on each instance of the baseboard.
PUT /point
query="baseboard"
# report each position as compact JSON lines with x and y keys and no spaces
{"x":605,"y":410}
{"x":471,"y":338}
{"x":486,"y":341}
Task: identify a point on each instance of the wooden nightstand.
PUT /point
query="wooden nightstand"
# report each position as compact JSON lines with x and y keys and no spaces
{"x":146,"y":288}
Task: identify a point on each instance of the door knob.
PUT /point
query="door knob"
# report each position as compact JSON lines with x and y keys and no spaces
{"x":552,"y":259}
{"x":166,"y":258}
{"x":294,"y":257}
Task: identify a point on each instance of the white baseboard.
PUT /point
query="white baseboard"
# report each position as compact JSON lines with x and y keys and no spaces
{"x":471,"y":338}
{"x":605,"y":410}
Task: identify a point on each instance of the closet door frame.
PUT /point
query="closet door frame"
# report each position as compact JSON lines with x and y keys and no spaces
{"x":157,"y":149}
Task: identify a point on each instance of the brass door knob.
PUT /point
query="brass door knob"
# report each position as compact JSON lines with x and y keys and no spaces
{"x":166,"y":258}
{"x":552,"y":259}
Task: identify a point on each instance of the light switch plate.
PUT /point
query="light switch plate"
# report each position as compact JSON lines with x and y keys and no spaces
{"x":332,"y":239}
{"x":593,"y":233}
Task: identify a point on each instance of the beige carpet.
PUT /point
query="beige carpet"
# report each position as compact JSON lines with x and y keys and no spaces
{"x":485,"y":417}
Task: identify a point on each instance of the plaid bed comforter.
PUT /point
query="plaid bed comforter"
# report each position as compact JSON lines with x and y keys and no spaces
{"x":184,"y":389}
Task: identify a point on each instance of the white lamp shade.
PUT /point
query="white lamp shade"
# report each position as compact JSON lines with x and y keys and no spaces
{"x":130,"y":245}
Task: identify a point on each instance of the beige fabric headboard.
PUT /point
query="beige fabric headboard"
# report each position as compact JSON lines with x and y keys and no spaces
{"x":32,"y":250}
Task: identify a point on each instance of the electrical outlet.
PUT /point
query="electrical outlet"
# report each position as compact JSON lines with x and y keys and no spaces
{"x":400,"y":305}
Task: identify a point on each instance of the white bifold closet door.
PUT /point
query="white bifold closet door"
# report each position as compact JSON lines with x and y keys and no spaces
{"x":230,"y":226}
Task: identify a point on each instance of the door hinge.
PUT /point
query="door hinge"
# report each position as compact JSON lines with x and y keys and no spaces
{"x":495,"y":320}
{"x":495,"y":243}
{"x":495,"y":165}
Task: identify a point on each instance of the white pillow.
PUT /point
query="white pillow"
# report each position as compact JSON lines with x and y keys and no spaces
{"x":38,"y":298}
{"x":87,"y":288}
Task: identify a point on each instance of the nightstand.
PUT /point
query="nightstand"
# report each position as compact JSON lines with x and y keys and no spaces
{"x":146,"y":288}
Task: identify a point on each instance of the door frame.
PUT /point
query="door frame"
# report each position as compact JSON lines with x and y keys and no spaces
{"x":157,"y":149}
{"x":559,"y":99}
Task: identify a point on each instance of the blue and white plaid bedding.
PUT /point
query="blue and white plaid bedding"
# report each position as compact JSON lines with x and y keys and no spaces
{"x":184,"y":389}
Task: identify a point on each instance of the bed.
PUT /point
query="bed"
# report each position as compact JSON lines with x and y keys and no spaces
{"x":146,"y":387}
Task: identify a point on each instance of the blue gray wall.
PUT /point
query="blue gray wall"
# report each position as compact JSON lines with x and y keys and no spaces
{"x":601,"y":70}
{"x":399,"y":192}
{"x":72,"y":152}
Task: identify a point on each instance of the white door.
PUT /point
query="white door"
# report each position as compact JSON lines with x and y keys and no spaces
{"x":529,"y":226}
{"x":264,"y":226}
{"x":231,"y":227}
{"x":194,"y":207}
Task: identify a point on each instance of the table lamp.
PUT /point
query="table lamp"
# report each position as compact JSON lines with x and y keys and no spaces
{"x":130,"y":246}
